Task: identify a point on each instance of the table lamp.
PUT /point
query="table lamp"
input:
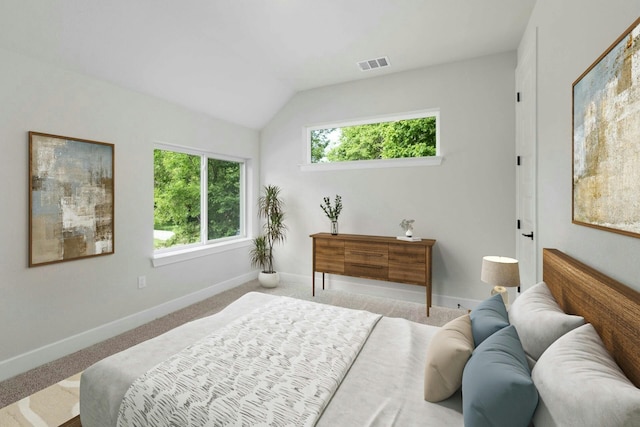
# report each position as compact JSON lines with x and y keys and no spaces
{"x":501,"y":272}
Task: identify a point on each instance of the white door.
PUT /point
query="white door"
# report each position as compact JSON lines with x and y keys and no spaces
{"x":526,"y":120}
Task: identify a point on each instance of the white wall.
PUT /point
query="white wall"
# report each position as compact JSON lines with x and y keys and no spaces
{"x":467,"y":203}
{"x":43,"y":309}
{"x":572,"y":34}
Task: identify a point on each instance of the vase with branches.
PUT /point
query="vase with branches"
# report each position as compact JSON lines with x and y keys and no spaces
{"x":271,"y":211}
{"x":333,"y":212}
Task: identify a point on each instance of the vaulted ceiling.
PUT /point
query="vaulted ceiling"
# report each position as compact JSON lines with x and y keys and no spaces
{"x":241,"y":60}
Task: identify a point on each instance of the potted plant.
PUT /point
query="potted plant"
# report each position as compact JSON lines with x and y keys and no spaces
{"x":333,"y":212}
{"x":271,"y":210}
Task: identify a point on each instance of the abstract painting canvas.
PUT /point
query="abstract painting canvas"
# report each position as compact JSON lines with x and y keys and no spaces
{"x":71,"y":200}
{"x":606,"y":139}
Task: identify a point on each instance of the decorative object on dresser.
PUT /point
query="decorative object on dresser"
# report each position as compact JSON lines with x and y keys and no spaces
{"x":71,"y":198}
{"x":271,"y":209}
{"x":407,"y":227}
{"x":373,"y":257}
{"x":333,"y":212}
{"x":501,"y":272}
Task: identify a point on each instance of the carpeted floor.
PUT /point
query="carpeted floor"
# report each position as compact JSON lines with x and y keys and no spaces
{"x":58,"y":378}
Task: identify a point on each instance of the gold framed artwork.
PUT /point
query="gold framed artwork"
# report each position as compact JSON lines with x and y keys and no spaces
{"x":606,"y":139}
{"x":71,"y":198}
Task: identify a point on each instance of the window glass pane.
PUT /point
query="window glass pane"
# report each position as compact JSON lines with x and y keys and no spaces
{"x":385,"y":140}
{"x":223,"y":198}
{"x":176,"y":198}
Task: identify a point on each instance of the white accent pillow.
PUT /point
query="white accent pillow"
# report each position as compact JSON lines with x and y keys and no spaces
{"x":580,"y":384}
{"x":539,"y":320}
{"x":447,"y":354}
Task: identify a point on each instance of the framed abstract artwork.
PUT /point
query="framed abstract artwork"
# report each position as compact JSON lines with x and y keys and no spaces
{"x":71,"y":198}
{"x":606,"y":139}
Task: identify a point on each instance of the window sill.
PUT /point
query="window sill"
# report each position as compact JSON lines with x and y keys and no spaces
{"x":372,"y":164}
{"x":171,"y":257}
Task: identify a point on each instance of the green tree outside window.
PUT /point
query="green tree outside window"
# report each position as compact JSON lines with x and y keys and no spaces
{"x":178,"y":198}
{"x":384,"y":140}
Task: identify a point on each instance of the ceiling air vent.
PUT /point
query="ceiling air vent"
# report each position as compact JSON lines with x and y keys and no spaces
{"x":372,"y":64}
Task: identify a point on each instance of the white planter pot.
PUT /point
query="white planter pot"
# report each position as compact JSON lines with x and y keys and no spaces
{"x":269,"y":280}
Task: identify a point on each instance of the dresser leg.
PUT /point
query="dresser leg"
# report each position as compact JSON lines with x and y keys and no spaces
{"x":428,"y":298}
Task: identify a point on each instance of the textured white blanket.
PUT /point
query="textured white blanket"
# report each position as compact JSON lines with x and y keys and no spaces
{"x":279,"y":365}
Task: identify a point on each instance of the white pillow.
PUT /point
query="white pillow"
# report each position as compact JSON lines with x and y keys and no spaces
{"x":580,"y":384}
{"x":447,"y":354}
{"x":539,"y":320}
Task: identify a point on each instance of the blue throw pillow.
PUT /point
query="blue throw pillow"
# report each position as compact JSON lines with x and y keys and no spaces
{"x":497,"y":389}
{"x":488,"y":318}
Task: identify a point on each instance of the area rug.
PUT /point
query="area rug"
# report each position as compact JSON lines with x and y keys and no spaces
{"x":50,"y":407}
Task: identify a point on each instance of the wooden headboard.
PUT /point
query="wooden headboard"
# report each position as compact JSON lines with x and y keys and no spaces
{"x":612,"y":308}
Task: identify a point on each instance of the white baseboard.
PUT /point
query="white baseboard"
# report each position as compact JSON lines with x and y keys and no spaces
{"x":50,"y":352}
{"x":378,"y":288}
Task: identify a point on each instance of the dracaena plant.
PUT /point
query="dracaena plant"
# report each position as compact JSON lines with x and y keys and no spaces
{"x":271,"y":210}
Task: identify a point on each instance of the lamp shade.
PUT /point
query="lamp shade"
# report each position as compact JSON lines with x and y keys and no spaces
{"x":500,"y":271}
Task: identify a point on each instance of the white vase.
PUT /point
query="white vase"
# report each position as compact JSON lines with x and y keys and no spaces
{"x":269,"y":280}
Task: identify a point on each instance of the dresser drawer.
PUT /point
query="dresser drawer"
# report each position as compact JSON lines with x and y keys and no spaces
{"x":407,"y":253}
{"x":329,"y":256}
{"x":407,"y":264}
{"x":373,"y":254}
{"x":414,"y":275}
{"x":368,"y":271}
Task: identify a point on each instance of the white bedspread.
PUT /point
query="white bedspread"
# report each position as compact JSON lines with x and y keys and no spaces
{"x":278,"y":365}
{"x":384,"y":386}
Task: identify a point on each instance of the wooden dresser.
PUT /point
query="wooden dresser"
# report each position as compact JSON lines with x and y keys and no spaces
{"x":373,"y":257}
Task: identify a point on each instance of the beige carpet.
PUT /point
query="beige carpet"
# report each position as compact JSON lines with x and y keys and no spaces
{"x":58,"y":403}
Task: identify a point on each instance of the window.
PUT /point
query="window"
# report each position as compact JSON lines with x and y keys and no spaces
{"x":198,"y":198}
{"x":411,"y":135}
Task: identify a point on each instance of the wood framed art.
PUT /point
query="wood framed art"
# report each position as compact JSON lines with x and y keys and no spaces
{"x":606,"y":139}
{"x":71,"y":198}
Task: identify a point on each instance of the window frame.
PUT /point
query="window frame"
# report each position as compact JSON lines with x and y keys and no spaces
{"x":207,"y":246}
{"x":307,"y":165}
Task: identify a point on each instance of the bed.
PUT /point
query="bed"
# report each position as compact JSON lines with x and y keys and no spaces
{"x":385,"y":382}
